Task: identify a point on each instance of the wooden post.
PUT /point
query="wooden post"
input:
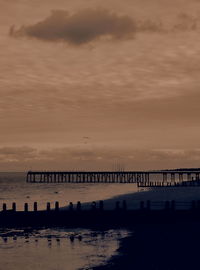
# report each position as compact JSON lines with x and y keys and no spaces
{"x":193,"y":205}
{"x":198,"y":204}
{"x":148,"y":205}
{"x":71,"y":207}
{"x":93,"y":206}
{"x":14,"y":206}
{"x":26,"y":207}
{"x":101,"y":206}
{"x":35,"y":206}
{"x":56,"y":206}
{"x":78,"y":207}
{"x":173,"y":205}
{"x":124,"y":205}
{"x":167,"y":205}
{"x":117,"y":205}
{"x":141,"y":205}
{"x":48,"y":206}
{"x":4,"y":207}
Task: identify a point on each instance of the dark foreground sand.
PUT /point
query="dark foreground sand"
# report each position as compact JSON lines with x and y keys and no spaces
{"x":159,"y":247}
{"x":173,"y":246}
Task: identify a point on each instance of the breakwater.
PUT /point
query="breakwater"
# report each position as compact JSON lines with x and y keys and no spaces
{"x":98,"y":217}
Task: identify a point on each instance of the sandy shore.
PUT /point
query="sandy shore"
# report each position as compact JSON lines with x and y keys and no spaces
{"x":179,"y":194}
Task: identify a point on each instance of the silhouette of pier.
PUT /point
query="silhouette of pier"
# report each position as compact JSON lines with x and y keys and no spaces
{"x":166,"y":177}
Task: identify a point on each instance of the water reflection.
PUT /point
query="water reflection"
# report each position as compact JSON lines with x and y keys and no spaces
{"x":57,"y":249}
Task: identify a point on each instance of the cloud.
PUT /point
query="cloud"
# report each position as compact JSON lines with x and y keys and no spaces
{"x":180,"y":23}
{"x":97,"y":158}
{"x":186,"y":22}
{"x":150,"y":26}
{"x":17,"y":154}
{"x":87,"y":25}
{"x":81,"y":27}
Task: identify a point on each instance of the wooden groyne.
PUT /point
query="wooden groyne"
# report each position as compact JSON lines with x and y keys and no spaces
{"x":165,"y":176}
{"x":121,"y":216}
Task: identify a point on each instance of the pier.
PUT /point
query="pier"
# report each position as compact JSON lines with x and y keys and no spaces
{"x":164,"y":177}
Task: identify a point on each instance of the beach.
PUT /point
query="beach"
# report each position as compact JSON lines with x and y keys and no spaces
{"x":166,"y":246}
{"x":96,"y":249}
{"x":178,"y":194}
{"x":158,"y":246}
{"x":56,"y":248}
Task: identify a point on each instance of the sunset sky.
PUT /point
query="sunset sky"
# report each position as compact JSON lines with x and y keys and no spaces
{"x":95,"y":84}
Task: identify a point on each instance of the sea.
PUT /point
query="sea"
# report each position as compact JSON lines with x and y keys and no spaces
{"x":57,"y":248}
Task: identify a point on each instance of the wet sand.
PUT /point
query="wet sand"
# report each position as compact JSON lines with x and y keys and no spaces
{"x":158,"y":247}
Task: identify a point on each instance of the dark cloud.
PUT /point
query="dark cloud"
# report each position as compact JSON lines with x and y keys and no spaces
{"x":81,"y":27}
{"x":87,"y":25}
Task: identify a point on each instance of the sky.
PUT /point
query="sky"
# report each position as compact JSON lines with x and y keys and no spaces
{"x":99,"y":85}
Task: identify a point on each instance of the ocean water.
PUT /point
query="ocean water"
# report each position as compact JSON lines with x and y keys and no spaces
{"x":58,"y":248}
{"x":13,"y":188}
